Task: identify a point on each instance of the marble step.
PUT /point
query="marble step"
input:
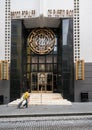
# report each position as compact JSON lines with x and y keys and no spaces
{"x":44,"y":98}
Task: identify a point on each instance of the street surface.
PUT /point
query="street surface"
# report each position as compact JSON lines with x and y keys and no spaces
{"x":47,"y":123}
{"x":77,"y":116}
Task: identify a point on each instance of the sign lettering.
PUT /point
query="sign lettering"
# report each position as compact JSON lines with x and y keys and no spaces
{"x":22,"y":14}
{"x":60,"y":13}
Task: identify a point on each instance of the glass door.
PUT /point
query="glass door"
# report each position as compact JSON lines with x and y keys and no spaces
{"x":42,"y":82}
{"x":49,"y":86}
{"x":34,"y":82}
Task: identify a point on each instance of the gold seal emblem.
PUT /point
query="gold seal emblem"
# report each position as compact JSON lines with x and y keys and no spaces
{"x":41,"y":41}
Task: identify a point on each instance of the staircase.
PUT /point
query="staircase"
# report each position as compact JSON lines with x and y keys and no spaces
{"x":47,"y":99}
{"x":44,"y":99}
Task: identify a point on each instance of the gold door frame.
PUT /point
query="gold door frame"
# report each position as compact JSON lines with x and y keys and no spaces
{"x":41,"y":82}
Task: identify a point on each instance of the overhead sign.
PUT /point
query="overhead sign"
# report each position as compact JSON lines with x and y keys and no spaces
{"x":59,"y":13}
{"x":50,"y":13}
{"x":23,"y":14}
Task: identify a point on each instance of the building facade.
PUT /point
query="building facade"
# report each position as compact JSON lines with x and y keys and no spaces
{"x":5,"y":50}
{"x":5,"y":26}
{"x":42,"y":50}
{"x":43,"y":42}
{"x":44,"y":64}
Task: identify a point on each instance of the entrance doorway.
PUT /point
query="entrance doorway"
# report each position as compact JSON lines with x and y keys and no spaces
{"x":42,"y":82}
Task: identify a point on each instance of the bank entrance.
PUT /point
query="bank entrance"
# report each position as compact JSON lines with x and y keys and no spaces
{"x":42,"y":58}
{"x":42,"y":82}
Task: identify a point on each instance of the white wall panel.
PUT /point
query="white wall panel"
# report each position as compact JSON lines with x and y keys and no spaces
{"x":57,"y":4}
{"x":22,"y":5}
{"x":86,"y":30}
{"x":2,"y":29}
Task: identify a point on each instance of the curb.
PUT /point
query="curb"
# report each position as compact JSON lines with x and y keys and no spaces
{"x":42,"y":115}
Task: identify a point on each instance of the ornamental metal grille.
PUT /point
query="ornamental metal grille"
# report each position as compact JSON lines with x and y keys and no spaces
{"x":41,"y":41}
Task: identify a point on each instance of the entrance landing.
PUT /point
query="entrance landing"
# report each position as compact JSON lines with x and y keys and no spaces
{"x":44,"y":99}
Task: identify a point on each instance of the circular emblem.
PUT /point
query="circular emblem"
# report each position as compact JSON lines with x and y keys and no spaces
{"x":41,"y":41}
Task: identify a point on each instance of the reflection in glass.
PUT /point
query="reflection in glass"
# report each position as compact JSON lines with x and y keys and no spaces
{"x":34,"y":67}
{"x":34,"y":82}
{"x":55,"y":41}
{"x":41,"y":67}
{"x":49,"y":67}
{"x":55,"y":68}
{"x":49,"y":82}
{"x":34,"y":87}
{"x":49,"y":79}
{"x":65,"y":26}
{"x":67,"y":58}
{"x":34,"y":59}
{"x":34,"y":78}
{"x":65,"y":31}
{"x":55,"y":59}
{"x":55,"y":49}
{"x":49,"y":59}
{"x":41,"y":59}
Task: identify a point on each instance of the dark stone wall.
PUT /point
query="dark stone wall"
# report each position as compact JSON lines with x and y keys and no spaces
{"x":4,"y":91}
{"x":84,"y":86}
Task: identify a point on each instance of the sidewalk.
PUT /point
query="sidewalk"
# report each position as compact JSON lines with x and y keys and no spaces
{"x":47,"y":110}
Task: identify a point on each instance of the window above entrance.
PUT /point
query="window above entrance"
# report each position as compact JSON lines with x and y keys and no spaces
{"x":41,"y":41}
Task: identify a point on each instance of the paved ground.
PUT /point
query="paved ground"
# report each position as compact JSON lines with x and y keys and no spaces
{"x":77,"y":116}
{"x":45,"y":110}
{"x":47,"y":123}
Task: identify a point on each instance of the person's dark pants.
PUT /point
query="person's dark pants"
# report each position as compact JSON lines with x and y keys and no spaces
{"x":26,"y":103}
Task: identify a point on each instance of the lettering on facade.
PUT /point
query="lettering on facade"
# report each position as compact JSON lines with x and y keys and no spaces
{"x":22,"y":14}
{"x":60,"y":13}
{"x":50,"y":13}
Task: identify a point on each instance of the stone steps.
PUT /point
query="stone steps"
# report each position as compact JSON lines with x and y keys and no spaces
{"x":44,"y":99}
